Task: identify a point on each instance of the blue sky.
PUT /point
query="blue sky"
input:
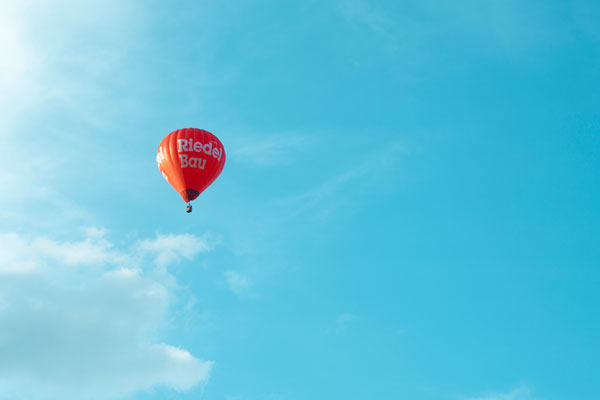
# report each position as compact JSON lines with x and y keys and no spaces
{"x":409,"y":208}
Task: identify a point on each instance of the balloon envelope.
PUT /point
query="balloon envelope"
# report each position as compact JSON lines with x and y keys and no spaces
{"x":190,"y":160}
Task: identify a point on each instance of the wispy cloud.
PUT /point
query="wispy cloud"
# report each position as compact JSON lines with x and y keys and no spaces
{"x":238,"y":283}
{"x":519,"y":393}
{"x":272,"y":150}
{"x":344,"y":321}
{"x":332,"y":193}
{"x":59,"y":63}
{"x":83,"y":317}
{"x":423,"y":31}
{"x":17,"y":61}
{"x":23,"y":255}
{"x":58,"y":52}
{"x":364,"y":12}
{"x":510,"y":26}
{"x":172,"y":248}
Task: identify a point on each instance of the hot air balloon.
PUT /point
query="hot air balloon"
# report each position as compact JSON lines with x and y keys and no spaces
{"x":190,"y":160}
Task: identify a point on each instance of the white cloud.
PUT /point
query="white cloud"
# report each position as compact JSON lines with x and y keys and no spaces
{"x":172,"y":248}
{"x":79,"y":318}
{"x":22,"y":255}
{"x":77,"y":327}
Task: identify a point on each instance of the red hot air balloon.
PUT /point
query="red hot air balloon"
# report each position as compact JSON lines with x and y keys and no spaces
{"x":190,"y":160}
